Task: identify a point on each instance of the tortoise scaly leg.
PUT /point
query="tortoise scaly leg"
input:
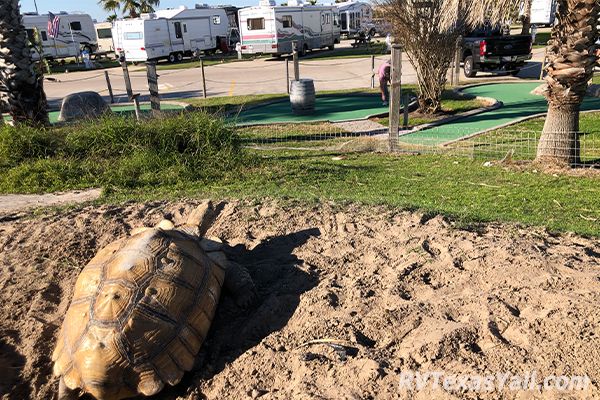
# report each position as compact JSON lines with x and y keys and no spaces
{"x":64,"y":393}
{"x":240,"y":284}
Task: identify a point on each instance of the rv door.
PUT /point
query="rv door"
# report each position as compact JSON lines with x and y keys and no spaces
{"x":186,"y":36}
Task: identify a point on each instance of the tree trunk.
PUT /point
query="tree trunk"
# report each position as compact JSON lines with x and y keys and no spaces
{"x":526,"y":18}
{"x":559,"y":143}
{"x":571,"y":61}
{"x":25,"y":98}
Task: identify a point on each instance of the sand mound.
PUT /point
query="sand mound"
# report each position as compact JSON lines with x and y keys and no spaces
{"x":393,"y":291}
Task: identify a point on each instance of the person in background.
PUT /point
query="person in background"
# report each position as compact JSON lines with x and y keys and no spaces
{"x":384,"y":79}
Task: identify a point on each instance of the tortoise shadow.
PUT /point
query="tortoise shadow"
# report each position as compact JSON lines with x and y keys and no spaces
{"x":279,"y":283}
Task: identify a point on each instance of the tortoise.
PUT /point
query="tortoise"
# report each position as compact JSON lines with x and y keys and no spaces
{"x":141,"y":309}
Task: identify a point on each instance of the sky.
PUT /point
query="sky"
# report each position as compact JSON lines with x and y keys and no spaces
{"x":91,"y":6}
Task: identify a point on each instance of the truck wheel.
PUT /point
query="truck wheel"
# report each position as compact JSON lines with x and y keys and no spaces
{"x":469,"y":69}
{"x":179,"y":57}
{"x":172,"y":58}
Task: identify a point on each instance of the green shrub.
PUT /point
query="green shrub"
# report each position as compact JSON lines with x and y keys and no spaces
{"x":119,"y":151}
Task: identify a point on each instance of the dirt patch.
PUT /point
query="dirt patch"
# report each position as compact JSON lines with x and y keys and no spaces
{"x":395,"y":291}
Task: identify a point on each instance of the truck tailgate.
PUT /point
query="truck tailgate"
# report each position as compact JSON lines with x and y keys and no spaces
{"x":508,"y":45}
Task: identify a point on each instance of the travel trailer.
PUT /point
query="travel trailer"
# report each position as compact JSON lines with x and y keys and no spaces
{"x":271,"y":29}
{"x":355,"y":16}
{"x":76,"y":32}
{"x":172,"y":34}
{"x":543,"y":12}
{"x":104,"y":34}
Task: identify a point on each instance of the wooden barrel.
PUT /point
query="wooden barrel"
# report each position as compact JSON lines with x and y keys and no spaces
{"x":302,"y":97}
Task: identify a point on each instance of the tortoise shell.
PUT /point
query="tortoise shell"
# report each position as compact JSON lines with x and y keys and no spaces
{"x":140,"y":311}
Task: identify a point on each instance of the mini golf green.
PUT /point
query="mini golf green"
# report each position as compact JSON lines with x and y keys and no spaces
{"x":122,"y":110}
{"x":332,"y":108}
{"x":517,"y":101}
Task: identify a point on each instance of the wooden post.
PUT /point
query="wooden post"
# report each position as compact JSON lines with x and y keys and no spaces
{"x":287,"y":74}
{"x":136,"y":103}
{"x":544,"y":63}
{"x":203,"y":77}
{"x":123,"y":62}
{"x":110,"y":91}
{"x":153,"y":86}
{"x":372,"y":72}
{"x":395,"y":85}
{"x":457,"y":58}
{"x":296,"y":62}
{"x":405,"y":108}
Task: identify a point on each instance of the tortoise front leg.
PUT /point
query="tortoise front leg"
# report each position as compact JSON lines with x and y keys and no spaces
{"x":64,"y":393}
{"x":239,"y":283}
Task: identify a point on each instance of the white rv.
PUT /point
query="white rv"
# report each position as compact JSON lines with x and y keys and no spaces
{"x":104,"y":34}
{"x":355,"y":16}
{"x":270,"y":29}
{"x":76,"y":32}
{"x":543,"y":12}
{"x":171,"y":34}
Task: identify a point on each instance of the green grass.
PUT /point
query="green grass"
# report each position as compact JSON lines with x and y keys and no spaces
{"x":197,"y":155}
{"x":541,"y":39}
{"x":119,"y":152}
{"x":459,"y":188}
{"x":376,"y":48}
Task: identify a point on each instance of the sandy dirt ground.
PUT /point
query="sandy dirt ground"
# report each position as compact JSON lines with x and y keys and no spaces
{"x":395,"y":291}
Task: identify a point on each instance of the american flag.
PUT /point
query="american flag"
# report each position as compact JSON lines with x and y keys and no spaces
{"x":53,"y":25}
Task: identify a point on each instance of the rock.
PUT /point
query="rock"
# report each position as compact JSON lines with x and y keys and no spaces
{"x":82,"y":105}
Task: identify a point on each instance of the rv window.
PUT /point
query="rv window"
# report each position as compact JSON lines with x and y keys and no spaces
{"x":344,"y":21}
{"x":286,"y":20}
{"x":336,"y":19}
{"x":184,"y":28}
{"x":44,"y":36}
{"x":255,"y":24}
{"x":328,"y":18}
{"x":31,"y":35}
{"x":178,"y":33}
{"x":216,"y":19}
{"x":104,"y":33}
{"x":322,"y":19}
{"x":75,"y":26}
{"x":133,"y":35}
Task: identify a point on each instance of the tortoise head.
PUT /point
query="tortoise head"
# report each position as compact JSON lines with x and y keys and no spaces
{"x":197,"y":223}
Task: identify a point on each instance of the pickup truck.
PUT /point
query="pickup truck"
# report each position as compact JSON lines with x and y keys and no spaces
{"x":490,"y":50}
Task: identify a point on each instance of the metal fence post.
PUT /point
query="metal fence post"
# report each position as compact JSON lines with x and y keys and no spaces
{"x":203,"y":77}
{"x":153,"y":86}
{"x":372,"y":72}
{"x":287,"y":75}
{"x":110,"y":91}
{"x":296,"y":62}
{"x":123,"y":62}
{"x":395,"y":85}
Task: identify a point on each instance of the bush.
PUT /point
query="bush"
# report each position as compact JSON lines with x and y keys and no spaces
{"x":119,"y":151}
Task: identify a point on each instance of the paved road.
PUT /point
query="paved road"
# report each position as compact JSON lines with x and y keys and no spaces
{"x":260,"y":76}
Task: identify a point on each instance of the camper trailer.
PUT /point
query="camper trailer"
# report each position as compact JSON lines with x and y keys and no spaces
{"x":271,"y":29}
{"x":355,"y":16}
{"x":172,"y":34}
{"x":75,"y":33}
{"x":543,"y":12}
{"x":104,"y":34}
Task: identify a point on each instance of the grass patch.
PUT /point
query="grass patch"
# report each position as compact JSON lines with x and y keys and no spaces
{"x":457,"y":187}
{"x":119,"y":152}
{"x":376,"y":48}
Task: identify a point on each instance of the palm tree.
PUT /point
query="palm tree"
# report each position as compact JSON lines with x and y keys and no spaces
{"x":526,"y":17}
{"x":110,"y":5}
{"x":136,"y":7}
{"x":572,"y":57}
{"x":25,"y":92}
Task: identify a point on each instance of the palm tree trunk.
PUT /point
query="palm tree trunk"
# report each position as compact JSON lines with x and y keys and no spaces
{"x":571,"y":54}
{"x":26,"y":98}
